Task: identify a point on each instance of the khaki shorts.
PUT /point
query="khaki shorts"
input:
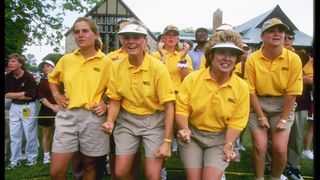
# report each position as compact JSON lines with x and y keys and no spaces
{"x":131,"y":129}
{"x":272,"y":107}
{"x":80,"y":134}
{"x":205,"y":149}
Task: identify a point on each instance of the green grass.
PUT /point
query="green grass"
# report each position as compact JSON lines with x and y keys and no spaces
{"x":236,"y":170}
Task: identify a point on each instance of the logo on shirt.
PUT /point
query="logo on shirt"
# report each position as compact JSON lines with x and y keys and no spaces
{"x":232,"y":100}
{"x":284,"y":69}
{"x":147,"y":83}
{"x":96,"y":69}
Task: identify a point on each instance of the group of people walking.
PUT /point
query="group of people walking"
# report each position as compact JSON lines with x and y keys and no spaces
{"x":114,"y":103}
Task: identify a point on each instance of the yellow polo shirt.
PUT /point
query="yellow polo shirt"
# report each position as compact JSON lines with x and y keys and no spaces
{"x":85,"y":80}
{"x":210,"y":107}
{"x":117,"y":54}
{"x":274,"y":78}
{"x":142,"y":90}
{"x":171,"y":64}
{"x":308,"y":68}
{"x":203,"y":63}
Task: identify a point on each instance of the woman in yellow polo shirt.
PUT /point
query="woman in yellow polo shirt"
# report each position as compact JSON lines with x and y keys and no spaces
{"x":82,"y":109}
{"x":178,"y":62}
{"x":274,"y":75}
{"x":212,"y":109}
{"x":141,"y":105}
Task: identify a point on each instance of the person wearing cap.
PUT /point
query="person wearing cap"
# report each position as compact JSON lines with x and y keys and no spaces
{"x":289,"y":39}
{"x":274,"y":75}
{"x":48,"y":109}
{"x":197,"y":53}
{"x":20,"y":87}
{"x":178,"y":63}
{"x":116,"y":55}
{"x":141,"y":107}
{"x":84,"y":74}
{"x":212,"y":109}
{"x":222,"y":27}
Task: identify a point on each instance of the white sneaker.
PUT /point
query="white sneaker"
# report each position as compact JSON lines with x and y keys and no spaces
{"x":283,"y":177}
{"x":46,"y":160}
{"x":223,"y":177}
{"x":163,"y":174}
{"x":242,"y":148}
{"x":23,"y":156}
{"x":307,"y":154}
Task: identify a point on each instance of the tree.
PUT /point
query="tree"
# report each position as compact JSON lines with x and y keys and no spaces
{"x":38,"y":21}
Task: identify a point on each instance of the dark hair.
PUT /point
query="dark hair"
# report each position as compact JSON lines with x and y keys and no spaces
{"x":93,"y":26}
{"x":303,"y":56}
{"x":18,"y":57}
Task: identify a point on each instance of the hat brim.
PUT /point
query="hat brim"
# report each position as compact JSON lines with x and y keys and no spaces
{"x":282,"y":26}
{"x":47,"y":62}
{"x":172,"y":30}
{"x":132,"y":32}
{"x":228,"y":45}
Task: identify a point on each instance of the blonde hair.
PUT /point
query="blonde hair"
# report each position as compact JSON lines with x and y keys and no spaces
{"x":219,"y":37}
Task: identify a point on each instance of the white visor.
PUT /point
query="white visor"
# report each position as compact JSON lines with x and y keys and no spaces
{"x":133,"y":28}
{"x":228,"y":45}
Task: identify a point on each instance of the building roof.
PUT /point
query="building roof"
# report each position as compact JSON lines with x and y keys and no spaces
{"x":251,"y":29}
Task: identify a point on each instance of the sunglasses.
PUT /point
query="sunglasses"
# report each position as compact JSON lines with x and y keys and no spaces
{"x":289,"y":37}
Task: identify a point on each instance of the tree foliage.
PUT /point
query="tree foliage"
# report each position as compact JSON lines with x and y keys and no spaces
{"x":34,"y":22}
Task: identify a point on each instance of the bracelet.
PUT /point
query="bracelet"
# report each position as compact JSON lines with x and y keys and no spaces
{"x":167,"y":140}
{"x":262,"y":118}
{"x":182,"y":65}
{"x":283,"y":121}
{"x":56,"y":94}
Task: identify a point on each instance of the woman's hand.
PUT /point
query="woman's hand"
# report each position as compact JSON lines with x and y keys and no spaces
{"x":108,"y":127}
{"x":164,"y":151}
{"x":184,"y":135}
{"x":61,"y":100}
{"x":263,"y":122}
{"x":100,"y":108}
{"x":281,"y":125}
{"x":228,"y":152}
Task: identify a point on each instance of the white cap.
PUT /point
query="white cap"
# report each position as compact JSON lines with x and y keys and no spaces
{"x":228,"y":45}
{"x":47,"y":62}
{"x":133,"y":28}
{"x":224,"y":27}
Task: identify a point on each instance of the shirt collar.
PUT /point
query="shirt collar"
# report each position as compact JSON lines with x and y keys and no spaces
{"x":230,"y":82}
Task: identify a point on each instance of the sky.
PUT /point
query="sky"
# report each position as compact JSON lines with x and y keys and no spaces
{"x":156,"y":14}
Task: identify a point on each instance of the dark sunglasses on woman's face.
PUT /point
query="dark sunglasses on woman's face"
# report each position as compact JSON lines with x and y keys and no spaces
{"x":289,"y":37}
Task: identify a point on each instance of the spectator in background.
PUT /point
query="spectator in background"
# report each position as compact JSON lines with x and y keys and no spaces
{"x":301,"y":114}
{"x":289,"y":39}
{"x":20,"y":87}
{"x":197,"y":53}
{"x":179,"y":64}
{"x":308,"y":137}
{"x":272,"y":98}
{"x":7,"y":104}
{"x":212,"y":109}
{"x":141,"y":106}
{"x":84,"y":74}
{"x":48,"y":109}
